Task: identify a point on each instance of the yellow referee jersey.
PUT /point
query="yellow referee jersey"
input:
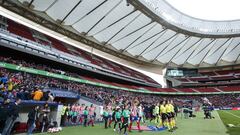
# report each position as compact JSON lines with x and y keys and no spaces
{"x":168,"y":108}
{"x":163,"y":109}
{"x":172,"y":108}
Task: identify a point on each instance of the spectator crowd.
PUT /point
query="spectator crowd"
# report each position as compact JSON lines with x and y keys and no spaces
{"x":27,"y":86}
{"x":18,"y":86}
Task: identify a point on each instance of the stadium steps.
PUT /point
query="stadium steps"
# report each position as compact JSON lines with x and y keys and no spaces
{"x":218,"y":89}
{"x":176,"y":90}
{"x":195,"y":90}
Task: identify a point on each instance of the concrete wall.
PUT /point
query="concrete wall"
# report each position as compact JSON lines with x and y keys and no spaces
{"x":55,"y":114}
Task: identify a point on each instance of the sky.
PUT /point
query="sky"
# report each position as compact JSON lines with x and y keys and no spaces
{"x":217,"y":10}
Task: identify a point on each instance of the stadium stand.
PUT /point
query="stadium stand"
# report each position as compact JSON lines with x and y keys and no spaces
{"x":46,"y":83}
{"x":214,"y":86}
{"x":130,"y":86}
{"x":230,"y":88}
{"x":211,"y":79}
{"x":27,"y":33}
{"x":19,"y":30}
{"x":187,"y":90}
{"x":22,"y":85}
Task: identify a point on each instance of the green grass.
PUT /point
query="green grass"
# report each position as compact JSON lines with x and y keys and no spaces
{"x":97,"y":130}
{"x":196,"y":126}
{"x":231,"y":117}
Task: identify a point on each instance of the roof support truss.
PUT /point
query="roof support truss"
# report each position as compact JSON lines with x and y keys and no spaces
{"x":174,"y":37}
{"x":224,"y":50}
{"x":88,"y":13}
{"x":133,"y":32}
{"x":195,"y":43}
{"x":204,"y":48}
{"x":123,"y":28}
{"x":162,"y":33}
{"x":30,"y":3}
{"x":196,"y":46}
{"x":115,"y":22}
{"x":174,"y":46}
{"x":139,"y":37}
{"x":179,"y":49}
{"x":25,"y":12}
{"x":161,"y":43}
{"x":104,"y":16}
{"x":70,"y":11}
{"x":147,"y":39}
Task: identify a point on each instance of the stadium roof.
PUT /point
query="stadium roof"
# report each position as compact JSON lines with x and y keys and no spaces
{"x":146,"y":31}
{"x":217,"y":10}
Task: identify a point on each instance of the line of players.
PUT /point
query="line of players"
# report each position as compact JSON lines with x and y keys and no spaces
{"x":164,"y":115}
{"x":77,"y":114}
{"x":124,"y":116}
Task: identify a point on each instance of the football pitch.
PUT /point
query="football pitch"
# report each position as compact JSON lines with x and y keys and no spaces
{"x":196,"y":126}
{"x":231,"y":117}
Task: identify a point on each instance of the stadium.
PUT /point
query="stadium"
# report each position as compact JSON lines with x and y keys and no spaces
{"x":127,"y":67}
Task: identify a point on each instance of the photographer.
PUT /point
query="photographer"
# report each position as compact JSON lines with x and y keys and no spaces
{"x":207,"y":108}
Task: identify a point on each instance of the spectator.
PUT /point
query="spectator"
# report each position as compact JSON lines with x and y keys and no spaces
{"x":23,"y":83}
{"x":4,"y":79}
{"x":11,"y":117}
{"x":4,"y":111}
{"x":27,"y":95}
{"x":21,"y":95}
{"x":50,"y":97}
{"x":38,"y":94}
{"x":10,"y":85}
{"x":45,"y":95}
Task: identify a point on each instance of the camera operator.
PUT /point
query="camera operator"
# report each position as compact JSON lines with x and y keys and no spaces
{"x":207,"y":108}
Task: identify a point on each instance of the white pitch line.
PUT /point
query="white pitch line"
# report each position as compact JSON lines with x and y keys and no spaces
{"x":232,"y":114}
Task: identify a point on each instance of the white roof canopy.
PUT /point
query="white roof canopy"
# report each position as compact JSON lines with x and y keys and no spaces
{"x":132,"y":32}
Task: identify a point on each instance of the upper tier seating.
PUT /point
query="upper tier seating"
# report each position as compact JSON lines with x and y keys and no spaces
{"x":20,"y":30}
{"x":27,"y":33}
{"x":212,"y":78}
{"x":230,"y":88}
{"x":186,"y":90}
{"x":207,"y":89}
{"x":58,"y":45}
